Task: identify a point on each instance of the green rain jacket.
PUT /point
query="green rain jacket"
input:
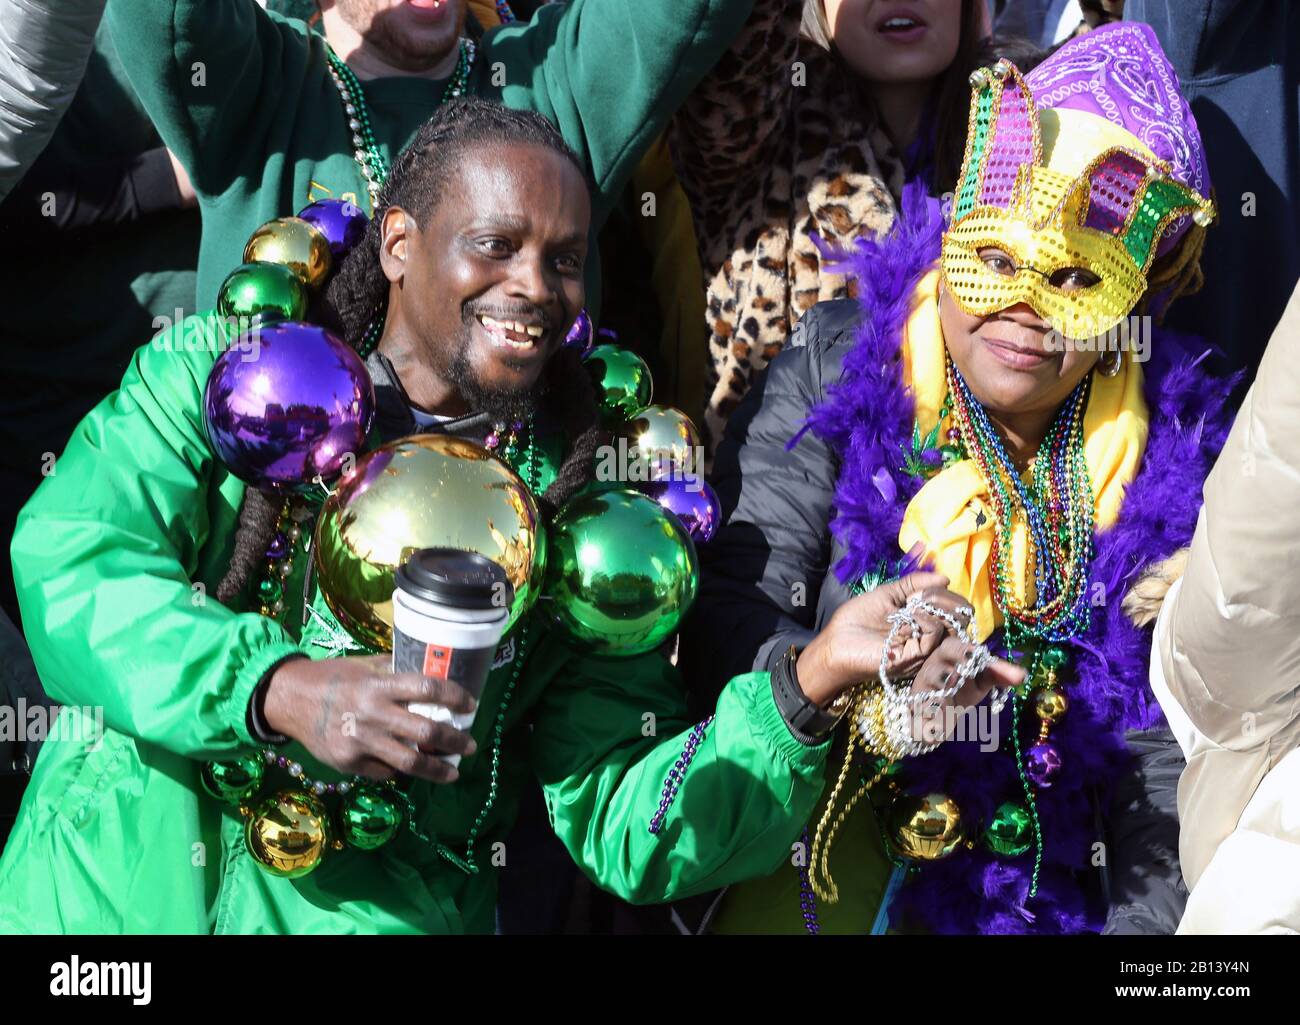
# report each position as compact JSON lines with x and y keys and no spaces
{"x":116,"y":558}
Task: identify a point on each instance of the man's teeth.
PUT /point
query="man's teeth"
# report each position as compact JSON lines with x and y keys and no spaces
{"x":502,"y":330}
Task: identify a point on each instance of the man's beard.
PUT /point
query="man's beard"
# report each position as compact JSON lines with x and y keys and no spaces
{"x":384,"y":37}
{"x":501,"y":405}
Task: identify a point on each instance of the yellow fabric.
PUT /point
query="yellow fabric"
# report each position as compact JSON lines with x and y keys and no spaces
{"x":952,"y":514}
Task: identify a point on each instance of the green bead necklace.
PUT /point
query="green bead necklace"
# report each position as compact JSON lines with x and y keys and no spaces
{"x":366,"y":151}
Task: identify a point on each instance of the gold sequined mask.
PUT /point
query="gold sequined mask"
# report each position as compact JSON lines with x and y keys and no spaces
{"x":1100,"y":201}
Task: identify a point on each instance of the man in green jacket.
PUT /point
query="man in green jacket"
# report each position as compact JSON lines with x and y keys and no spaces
{"x":490,"y":212}
{"x":250,"y":105}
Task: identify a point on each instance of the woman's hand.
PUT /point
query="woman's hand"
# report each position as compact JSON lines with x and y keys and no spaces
{"x":351,"y":714}
{"x":930,"y":721}
{"x":847,"y":651}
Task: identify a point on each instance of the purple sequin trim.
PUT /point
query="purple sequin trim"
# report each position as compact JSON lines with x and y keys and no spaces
{"x":677,"y":773}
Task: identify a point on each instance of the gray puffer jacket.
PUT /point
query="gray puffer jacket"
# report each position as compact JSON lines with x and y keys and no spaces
{"x":44,"y":46}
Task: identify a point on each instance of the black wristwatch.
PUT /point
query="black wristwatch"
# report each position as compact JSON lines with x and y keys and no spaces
{"x":255,"y":718}
{"x":807,"y":721}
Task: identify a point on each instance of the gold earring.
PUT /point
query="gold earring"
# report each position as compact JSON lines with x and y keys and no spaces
{"x":1108,"y":366}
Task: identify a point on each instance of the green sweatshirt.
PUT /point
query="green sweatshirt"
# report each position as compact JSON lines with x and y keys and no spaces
{"x":118,"y":836}
{"x":245,"y":100}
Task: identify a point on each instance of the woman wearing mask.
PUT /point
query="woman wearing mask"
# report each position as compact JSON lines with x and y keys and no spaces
{"x":981,"y":409}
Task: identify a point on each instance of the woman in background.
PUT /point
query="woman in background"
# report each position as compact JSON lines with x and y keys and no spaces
{"x":807,"y":129}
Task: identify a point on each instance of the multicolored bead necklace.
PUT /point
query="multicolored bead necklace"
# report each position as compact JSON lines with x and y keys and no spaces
{"x":1057,"y":507}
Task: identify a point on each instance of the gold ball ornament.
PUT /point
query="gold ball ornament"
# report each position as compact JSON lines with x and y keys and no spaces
{"x":429,"y":491}
{"x":295,"y":244}
{"x":288,"y":833}
{"x":1050,"y":704}
{"x":664,"y":437}
{"x":924,"y":827}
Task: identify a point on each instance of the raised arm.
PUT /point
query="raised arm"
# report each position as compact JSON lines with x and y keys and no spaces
{"x":608,"y":734}
{"x":611,"y":73}
{"x":106,"y":555}
{"x":213,"y":75}
{"x":44,"y":46}
{"x":722,"y":137}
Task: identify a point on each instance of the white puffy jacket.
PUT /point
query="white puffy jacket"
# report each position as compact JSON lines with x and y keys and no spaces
{"x":1226,"y":665}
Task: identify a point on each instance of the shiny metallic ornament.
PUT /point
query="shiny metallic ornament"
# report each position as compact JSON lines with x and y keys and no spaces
{"x":581,"y":335}
{"x":369,"y":817}
{"x":429,"y":491}
{"x":287,"y":403}
{"x":622,"y":572}
{"x":288,"y":833}
{"x":924,"y":827}
{"x":293,"y":242}
{"x":1050,"y":704}
{"x":1011,"y":831}
{"x":666,"y":439}
{"x":622,"y":381}
{"x":270,"y":291}
{"x":693,"y":502}
{"x":1043,"y":764}
{"x":342,"y":222}
{"x":233,"y":782}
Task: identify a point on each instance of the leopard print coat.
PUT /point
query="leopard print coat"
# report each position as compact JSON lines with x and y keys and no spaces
{"x":773,"y":152}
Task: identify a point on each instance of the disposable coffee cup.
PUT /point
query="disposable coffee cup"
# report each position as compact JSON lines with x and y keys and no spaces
{"x":449,"y":612}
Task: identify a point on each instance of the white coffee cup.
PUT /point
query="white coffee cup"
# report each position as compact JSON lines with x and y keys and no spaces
{"x":449,"y":612}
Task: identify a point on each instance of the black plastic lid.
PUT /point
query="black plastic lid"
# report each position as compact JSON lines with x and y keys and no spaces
{"x":451,"y":576}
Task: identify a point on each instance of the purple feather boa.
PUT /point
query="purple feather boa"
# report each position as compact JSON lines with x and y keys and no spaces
{"x":867,"y":420}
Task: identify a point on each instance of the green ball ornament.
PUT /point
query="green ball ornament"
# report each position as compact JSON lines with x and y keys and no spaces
{"x":621,"y":573}
{"x":1011,"y":832}
{"x":233,"y":782}
{"x":369,"y":818}
{"x":267,"y":290}
{"x":950,"y":454}
{"x":1055,"y":658}
{"x":622,"y":381}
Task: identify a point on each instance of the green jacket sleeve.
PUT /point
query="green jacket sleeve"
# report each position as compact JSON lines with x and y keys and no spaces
{"x":607,"y":734}
{"x":611,"y":73}
{"x":104,"y":559}
{"x":214,"y":76}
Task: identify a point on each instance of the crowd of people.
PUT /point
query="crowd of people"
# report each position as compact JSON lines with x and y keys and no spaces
{"x":962,"y":610}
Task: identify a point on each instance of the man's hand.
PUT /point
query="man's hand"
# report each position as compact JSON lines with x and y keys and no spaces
{"x":847,"y":651}
{"x":308,"y":701}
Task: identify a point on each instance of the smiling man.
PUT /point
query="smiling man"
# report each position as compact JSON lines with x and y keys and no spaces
{"x":474,"y":266}
{"x":254,"y":105}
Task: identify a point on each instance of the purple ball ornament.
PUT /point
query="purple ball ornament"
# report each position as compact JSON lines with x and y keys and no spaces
{"x":341,"y":221}
{"x":287,"y":403}
{"x":581,"y":335}
{"x":693,"y":502}
{"x":1042,"y":764}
